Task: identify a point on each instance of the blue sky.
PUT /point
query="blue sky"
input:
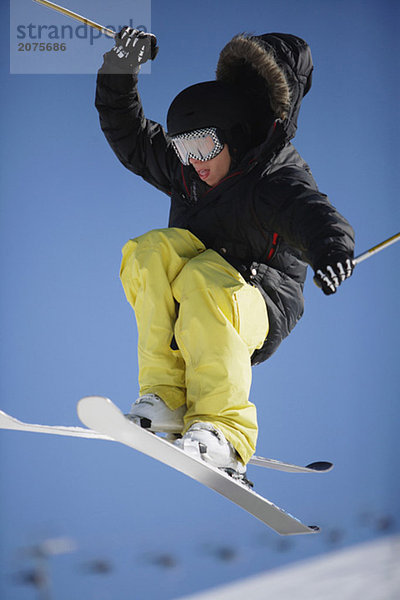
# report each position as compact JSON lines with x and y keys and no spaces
{"x":331,"y":391}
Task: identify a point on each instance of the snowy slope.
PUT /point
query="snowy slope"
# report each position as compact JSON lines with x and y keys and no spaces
{"x":369,"y":571}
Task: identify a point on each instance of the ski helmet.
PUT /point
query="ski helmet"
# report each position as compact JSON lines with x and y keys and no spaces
{"x":211,"y":104}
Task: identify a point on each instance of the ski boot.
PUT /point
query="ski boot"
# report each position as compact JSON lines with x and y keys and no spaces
{"x":207,"y":443}
{"x":150,"y":412}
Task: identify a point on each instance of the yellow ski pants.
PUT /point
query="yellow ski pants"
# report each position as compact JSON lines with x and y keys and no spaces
{"x":181,"y":292}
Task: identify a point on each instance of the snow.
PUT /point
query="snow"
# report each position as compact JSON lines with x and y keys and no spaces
{"x":369,"y":571}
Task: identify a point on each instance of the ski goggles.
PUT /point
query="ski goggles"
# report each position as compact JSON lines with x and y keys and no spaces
{"x":200,"y":144}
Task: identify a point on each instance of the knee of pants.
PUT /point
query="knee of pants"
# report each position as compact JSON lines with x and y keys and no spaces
{"x":157,"y":256}
{"x":227,"y":294}
{"x":180,"y":240}
{"x":153,"y":238}
{"x":208,"y":270}
{"x":168,"y":242}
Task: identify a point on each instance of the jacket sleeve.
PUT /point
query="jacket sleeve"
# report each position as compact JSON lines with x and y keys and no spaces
{"x":290,"y":204}
{"x":139,"y":143}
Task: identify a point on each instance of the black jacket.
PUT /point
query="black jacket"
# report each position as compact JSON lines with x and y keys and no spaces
{"x":267,"y":217}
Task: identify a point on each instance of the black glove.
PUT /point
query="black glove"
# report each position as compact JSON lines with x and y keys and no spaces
{"x":330,"y":273}
{"x":132,"y":49}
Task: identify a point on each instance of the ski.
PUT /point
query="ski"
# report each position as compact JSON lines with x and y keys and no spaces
{"x":321,"y":466}
{"x":102,"y":415}
{"x":9,"y":422}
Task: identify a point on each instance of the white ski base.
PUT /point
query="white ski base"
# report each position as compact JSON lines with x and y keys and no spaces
{"x":9,"y":422}
{"x":102,"y":415}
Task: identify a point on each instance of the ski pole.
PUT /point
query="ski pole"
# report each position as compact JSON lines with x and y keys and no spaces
{"x":392,"y":240}
{"x":73,"y":15}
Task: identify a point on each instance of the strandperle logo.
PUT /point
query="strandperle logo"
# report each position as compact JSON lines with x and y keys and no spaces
{"x":36,"y":33}
{"x":45,"y":40}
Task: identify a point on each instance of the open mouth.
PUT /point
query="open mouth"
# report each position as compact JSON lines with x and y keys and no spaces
{"x":203,"y":173}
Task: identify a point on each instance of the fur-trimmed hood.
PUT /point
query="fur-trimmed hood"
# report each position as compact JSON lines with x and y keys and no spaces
{"x":274,"y":71}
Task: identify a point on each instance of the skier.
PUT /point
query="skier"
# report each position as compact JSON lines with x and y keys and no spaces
{"x":219,"y":289}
